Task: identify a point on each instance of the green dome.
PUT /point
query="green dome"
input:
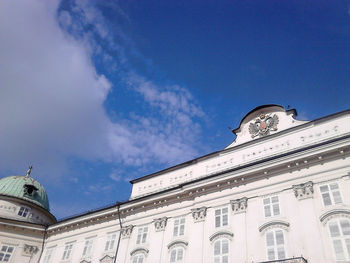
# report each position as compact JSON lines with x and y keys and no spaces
{"x":24,"y":188}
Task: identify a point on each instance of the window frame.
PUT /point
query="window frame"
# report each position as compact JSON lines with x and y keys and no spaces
{"x":48,"y":254}
{"x":219,"y":218}
{"x":68,"y":251}
{"x":330,"y":193}
{"x":137,"y":257}
{"x":179,"y":227}
{"x":275,"y":246}
{"x":23,"y":211}
{"x":342,"y":238}
{"x":219,"y":258}
{"x":142,"y":234}
{"x":88,"y":246}
{"x":270,"y":206}
{"x":177,"y":249}
{"x":110,"y":241}
{"x":6,"y":253}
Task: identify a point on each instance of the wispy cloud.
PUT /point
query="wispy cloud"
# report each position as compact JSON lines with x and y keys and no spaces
{"x":53,"y":96}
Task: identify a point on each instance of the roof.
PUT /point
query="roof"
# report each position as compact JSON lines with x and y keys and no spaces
{"x":25,"y":188}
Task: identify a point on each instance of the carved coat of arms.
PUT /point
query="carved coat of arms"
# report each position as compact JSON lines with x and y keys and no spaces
{"x":263,"y":125}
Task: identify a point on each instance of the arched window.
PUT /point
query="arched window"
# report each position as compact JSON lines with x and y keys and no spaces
{"x":275,"y":244}
{"x":138,"y":258}
{"x":339,"y":230}
{"x":221,"y":250}
{"x":177,"y":255}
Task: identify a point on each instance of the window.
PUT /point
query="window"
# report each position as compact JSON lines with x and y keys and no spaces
{"x":88,"y":247}
{"x":48,"y":255}
{"x":6,"y":253}
{"x":221,"y":251}
{"x":340,"y":234}
{"x":271,"y":206}
{"x":138,"y":258}
{"x":142,"y":235}
{"x":67,"y":251}
{"x":179,"y":227}
{"x":177,"y":255}
{"x":110,"y":241}
{"x":275,"y":244}
{"x":23,"y":211}
{"x":221,"y":217}
{"x":330,"y":194}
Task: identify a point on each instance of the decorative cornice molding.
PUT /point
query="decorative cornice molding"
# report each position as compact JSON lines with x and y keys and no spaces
{"x":139,"y":250}
{"x":239,"y":205}
{"x":177,"y":242}
{"x":337,"y":212}
{"x":199,"y":214}
{"x":127,"y":230}
{"x":303,"y":191}
{"x":160,"y":223}
{"x":222,"y":233}
{"x":273,"y":224}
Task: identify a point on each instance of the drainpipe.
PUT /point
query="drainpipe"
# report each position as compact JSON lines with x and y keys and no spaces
{"x":120,"y":234}
{"x":42,"y":245}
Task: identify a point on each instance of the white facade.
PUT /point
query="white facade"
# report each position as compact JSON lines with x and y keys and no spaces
{"x":280,"y":191}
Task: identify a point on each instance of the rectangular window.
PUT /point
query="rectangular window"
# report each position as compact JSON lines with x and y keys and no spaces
{"x":142,"y":235}
{"x":6,"y":253}
{"x":271,"y":206}
{"x":23,"y":211}
{"x":48,"y":255}
{"x":67,"y":251}
{"x":221,"y":217}
{"x":110,"y":241}
{"x":179,"y":227}
{"x":275,"y":245}
{"x":87,"y":247}
{"x":330,"y":194}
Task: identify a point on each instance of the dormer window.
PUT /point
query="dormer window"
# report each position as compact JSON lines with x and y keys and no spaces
{"x":23,"y":211}
{"x":30,"y":189}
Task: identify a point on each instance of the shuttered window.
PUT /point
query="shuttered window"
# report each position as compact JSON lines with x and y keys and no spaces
{"x":340,"y":234}
{"x":271,"y":206}
{"x":221,"y":217}
{"x":275,"y":245}
{"x":221,"y":251}
{"x":330,"y":194}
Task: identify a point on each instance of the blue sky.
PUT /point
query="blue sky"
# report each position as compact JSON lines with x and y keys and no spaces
{"x":96,"y":93}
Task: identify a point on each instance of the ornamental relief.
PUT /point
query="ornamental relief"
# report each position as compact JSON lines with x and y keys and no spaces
{"x":126,"y":231}
{"x":160,"y":223}
{"x":199,"y":214}
{"x":263,"y":125}
{"x":303,"y":191}
{"x":239,"y":205}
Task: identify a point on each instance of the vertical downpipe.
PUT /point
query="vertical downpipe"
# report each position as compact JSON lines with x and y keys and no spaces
{"x":120,"y":234}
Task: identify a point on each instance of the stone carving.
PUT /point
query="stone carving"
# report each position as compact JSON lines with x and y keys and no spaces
{"x":106,"y":259}
{"x":126,"y":231}
{"x":239,"y":205}
{"x":160,"y":223}
{"x":263,"y":125}
{"x":303,"y":191}
{"x":199,"y":214}
{"x":29,"y":250}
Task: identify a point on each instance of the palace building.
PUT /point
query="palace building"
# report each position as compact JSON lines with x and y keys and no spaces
{"x":278,"y":193}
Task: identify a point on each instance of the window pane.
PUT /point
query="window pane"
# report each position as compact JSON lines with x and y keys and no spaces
{"x":347,"y":243}
{"x":276,"y":209}
{"x":270,"y":239}
{"x":279,"y":237}
{"x":333,"y":186}
{"x":225,"y":259}
{"x":270,"y":254}
{"x":224,"y":245}
{"x":224,"y":220}
{"x":345,"y":227}
{"x":182,"y":230}
{"x":173,"y":255}
{"x":324,"y":188}
{"x":280,"y":253}
{"x":338,"y":250}
{"x":337,"y":197}
{"x":326,"y":199}
{"x":176,"y":230}
{"x":217,"y":260}
{"x":334,"y":229}
{"x":224,"y":210}
{"x":218,"y":212}
{"x":217,"y":247}
{"x":180,"y":253}
{"x":266,"y":201}
{"x":267,"y":211}
{"x":217,"y":221}
{"x":274,"y":199}
{"x":182,"y":221}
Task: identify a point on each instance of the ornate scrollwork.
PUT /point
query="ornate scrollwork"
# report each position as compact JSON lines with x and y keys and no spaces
{"x":302,"y":191}
{"x":126,"y":231}
{"x":199,"y":214}
{"x":239,"y":205}
{"x":160,"y":223}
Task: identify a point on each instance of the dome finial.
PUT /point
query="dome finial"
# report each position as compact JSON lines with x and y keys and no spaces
{"x":29,"y":170}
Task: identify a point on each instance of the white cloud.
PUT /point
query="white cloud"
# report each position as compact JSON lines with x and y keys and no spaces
{"x":51,"y":98}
